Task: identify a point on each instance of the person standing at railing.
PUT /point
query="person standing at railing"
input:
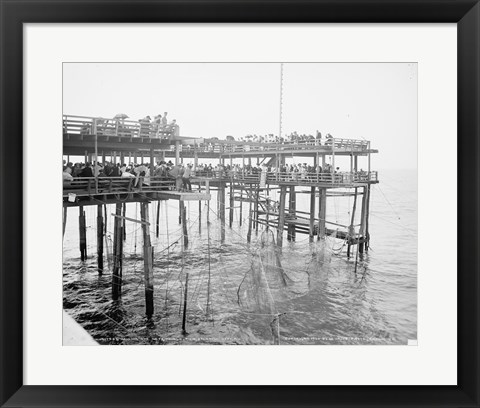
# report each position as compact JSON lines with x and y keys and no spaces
{"x":128,"y":174}
{"x":156,"y":125}
{"x":176,"y":173}
{"x":87,"y":171}
{"x":67,"y":177}
{"x":140,"y":172}
{"x":187,"y":186}
{"x":115,"y":172}
{"x":145,"y":126}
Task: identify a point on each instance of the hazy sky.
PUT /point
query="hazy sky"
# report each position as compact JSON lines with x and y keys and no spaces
{"x":377,"y":102}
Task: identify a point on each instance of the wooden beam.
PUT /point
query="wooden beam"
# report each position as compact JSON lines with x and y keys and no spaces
{"x":117,"y":253}
{"x":281,"y":217}
{"x":147,"y":260}
{"x":312,"y":214}
{"x":83,"y":234}
{"x":99,"y":239}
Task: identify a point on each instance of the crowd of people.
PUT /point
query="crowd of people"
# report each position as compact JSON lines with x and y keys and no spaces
{"x":141,"y":173}
{"x":159,"y":127}
{"x":293,"y":137}
{"x":181,"y":174}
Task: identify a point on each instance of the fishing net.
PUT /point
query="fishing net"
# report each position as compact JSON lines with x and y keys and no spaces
{"x":267,"y":284}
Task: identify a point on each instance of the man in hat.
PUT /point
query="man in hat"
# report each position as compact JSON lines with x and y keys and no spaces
{"x":187,"y":186}
{"x":176,"y":173}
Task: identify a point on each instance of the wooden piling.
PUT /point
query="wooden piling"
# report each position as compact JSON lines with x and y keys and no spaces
{"x":322,"y":212}
{"x":362,"y":221}
{"x":292,"y":207}
{"x":241,"y":207}
{"x":147,"y":260}
{"x":83,"y":234}
{"x":207,"y":190}
{"x":64,"y":219}
{"x":221,"y":193}
{"x":183,"y":212}
{"x":281,"y":217}
{"x":257,"y":198}
{"x":250,"y":220}
{"x":184,"y":319}
{"x":117,"y":253}
{"x":180,"y":210}
{"x":124,"y":221}
{"x":367,"y":215}
{"x":231,"y":204}
{"x":100,"y":239}
{"x":199,"y":213}
{"x":157,"y":224}
{"x":106,"y":218}
{"x":351,"y":230}
{"x":312,"y":214}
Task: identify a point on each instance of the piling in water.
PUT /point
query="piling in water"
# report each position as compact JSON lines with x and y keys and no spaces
{"x":117,"y":253}
{"x":83,"y":234}
{"x":281,"y":216}
{"x":147,"y":260}
{"x":99,"y":239}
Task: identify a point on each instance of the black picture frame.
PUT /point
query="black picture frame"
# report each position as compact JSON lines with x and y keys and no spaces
{"x":465,"y":13}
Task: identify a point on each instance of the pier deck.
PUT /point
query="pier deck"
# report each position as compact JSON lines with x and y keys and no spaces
{"x":121,"y":141}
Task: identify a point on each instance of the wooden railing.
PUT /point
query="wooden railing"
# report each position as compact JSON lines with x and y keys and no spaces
{"x":245,"y":147}
{"x":300,"y":178}
{"x":113,"y":185}
{"x":85,"y":125}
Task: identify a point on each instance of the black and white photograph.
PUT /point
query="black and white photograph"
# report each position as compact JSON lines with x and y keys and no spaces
{"x":244,"y":203}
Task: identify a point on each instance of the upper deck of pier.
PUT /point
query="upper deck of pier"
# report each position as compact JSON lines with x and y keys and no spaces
{"x":82,"y":134}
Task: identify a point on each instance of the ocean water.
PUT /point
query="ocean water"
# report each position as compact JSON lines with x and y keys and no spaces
{"x":252,"y":293}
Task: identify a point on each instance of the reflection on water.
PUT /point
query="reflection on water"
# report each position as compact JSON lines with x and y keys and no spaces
{"x":240,"y":293}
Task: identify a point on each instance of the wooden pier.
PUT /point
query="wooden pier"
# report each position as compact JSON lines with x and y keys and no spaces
{"x":99,"y":140}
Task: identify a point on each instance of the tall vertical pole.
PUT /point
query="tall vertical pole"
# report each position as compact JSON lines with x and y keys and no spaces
{"x":369,"y":160}
{"x":147,"y":260}
{"x":281,"y":104}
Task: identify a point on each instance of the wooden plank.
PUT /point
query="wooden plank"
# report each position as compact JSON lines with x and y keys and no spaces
{"x":130,"y":219}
